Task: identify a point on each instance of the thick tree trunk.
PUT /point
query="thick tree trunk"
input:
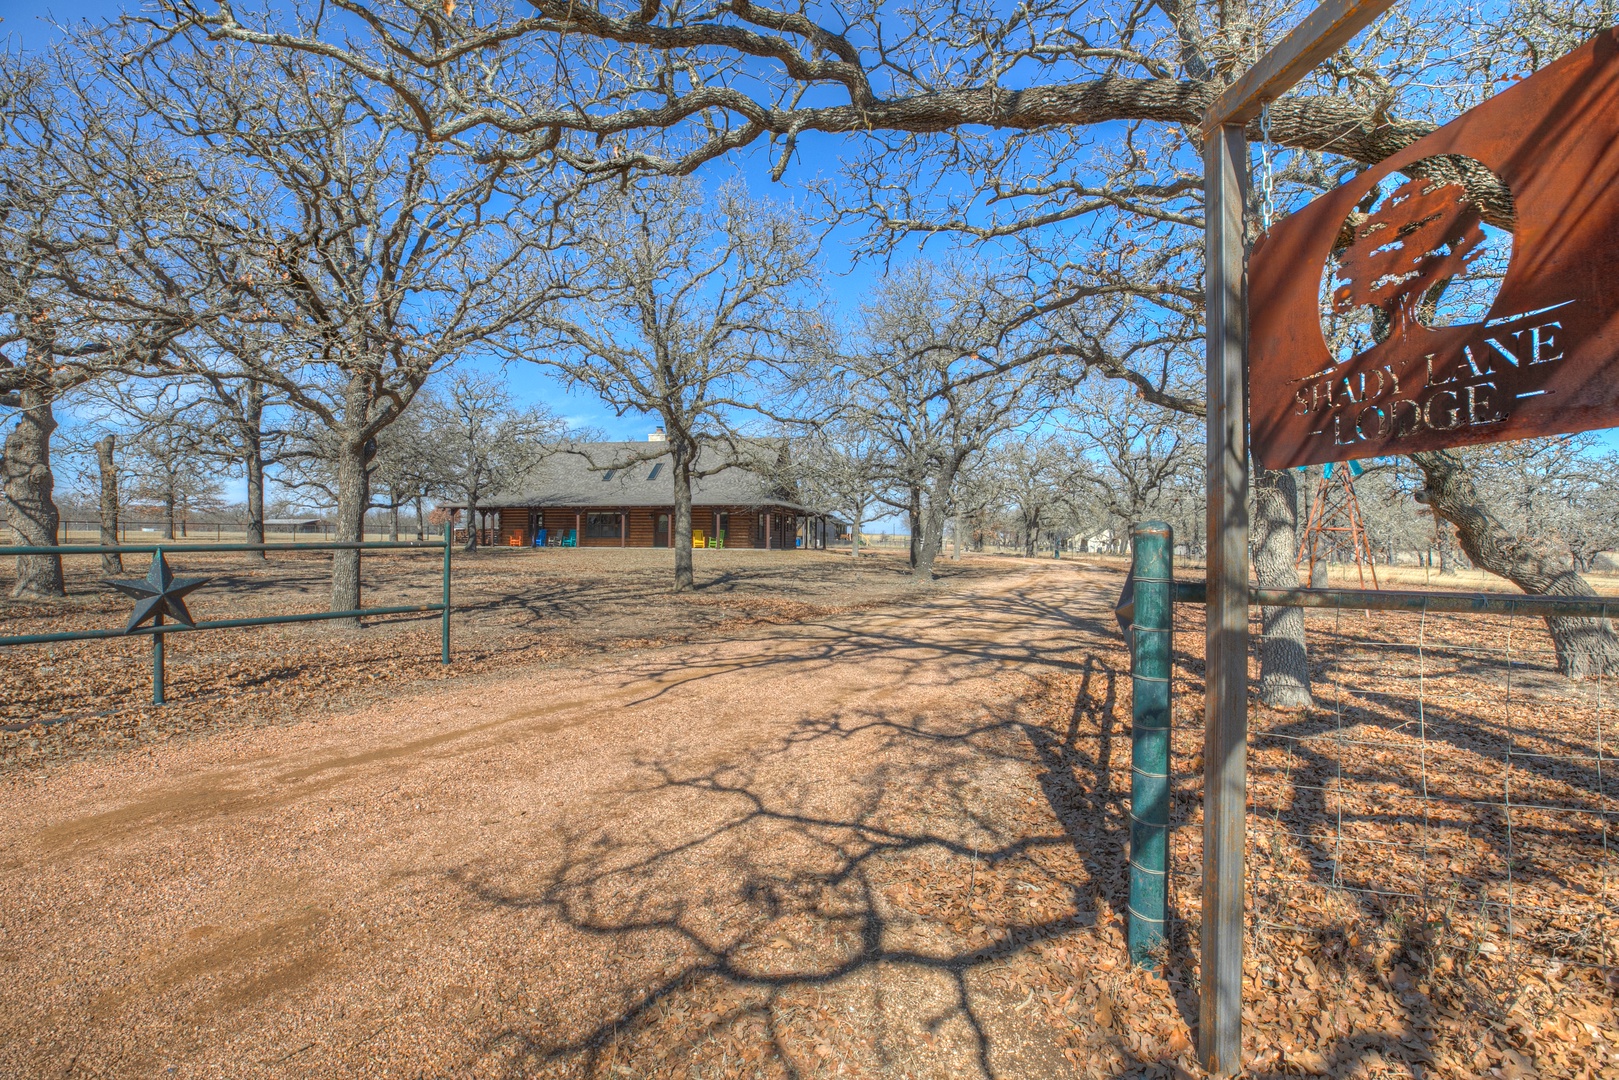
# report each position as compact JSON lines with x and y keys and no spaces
{"x":254,"y":529}
{"x":30,"y":504}
{"x":1586,"y":647}
{"x":111,"y":562}
{"x":1030,"y":537}
{"x":353,"y":497}
{"x":169,"y":499}
{"x":914,"y":510}
{"x":472,"y":522}
{"x":932,"y":516}
{"x":1284,"y":666}
{"x":955,"y":547}
{"x":680,"y":458}
{"x":393,"y":522}
{"x":253,"y":433}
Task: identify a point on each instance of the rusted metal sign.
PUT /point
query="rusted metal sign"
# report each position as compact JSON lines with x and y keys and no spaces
{"x":1465,"y":290}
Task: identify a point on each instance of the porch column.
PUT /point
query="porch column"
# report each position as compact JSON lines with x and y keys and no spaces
{"x":624,"y":529}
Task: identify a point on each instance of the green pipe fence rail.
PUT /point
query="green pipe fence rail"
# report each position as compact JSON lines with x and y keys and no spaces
{"x":1145,"y":616}
{"x":160,"y":629}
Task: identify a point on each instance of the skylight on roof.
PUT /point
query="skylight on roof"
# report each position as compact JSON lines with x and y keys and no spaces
{"x":608,"y":475}
{"x":657,"y":468}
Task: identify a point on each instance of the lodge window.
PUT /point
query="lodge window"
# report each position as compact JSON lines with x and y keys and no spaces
{"x":602,"y":526}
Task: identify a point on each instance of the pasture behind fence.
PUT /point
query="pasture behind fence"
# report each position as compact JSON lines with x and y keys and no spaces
{"x":87,"y":530}
{"x":1441,"y":826}
{"x":158,"y":629}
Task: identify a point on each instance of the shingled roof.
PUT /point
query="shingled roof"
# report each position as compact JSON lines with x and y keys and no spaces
{"x":615,"y":474}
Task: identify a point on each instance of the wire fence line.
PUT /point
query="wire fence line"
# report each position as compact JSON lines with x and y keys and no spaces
{"x":79,"y":530}
{"x":1447,"y":813}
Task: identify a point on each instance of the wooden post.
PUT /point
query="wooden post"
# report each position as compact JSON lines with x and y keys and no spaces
{"x":1320,"y":34}
{"x":1225,"y":710}
{"x":1225,"y":713}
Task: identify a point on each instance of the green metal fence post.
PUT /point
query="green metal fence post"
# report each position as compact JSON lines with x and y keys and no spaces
{"x":1151,"y":567}
{"x":157,"y":645}
{"x":445,"y":622}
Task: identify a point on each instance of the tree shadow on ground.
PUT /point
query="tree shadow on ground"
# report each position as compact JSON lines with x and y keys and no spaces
{"x":768,"y":896}
{"x":902,"y":860}
{"x":1383,"y":855}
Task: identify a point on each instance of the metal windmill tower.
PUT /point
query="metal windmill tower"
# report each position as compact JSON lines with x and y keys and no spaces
{"x":1336,"y":510}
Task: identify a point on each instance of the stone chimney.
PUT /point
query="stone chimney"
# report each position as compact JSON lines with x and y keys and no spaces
{"x":657,"y":436}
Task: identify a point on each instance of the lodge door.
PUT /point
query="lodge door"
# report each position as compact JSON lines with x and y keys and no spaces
{"x":660,"y":530}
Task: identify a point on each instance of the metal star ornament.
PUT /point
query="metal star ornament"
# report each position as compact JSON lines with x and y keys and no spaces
{"x":159,"y":593}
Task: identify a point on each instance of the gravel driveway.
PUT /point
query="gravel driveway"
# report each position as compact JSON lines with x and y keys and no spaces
{"x":687,"y":861}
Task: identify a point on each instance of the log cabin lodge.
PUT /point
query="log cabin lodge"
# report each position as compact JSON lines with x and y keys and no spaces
{"x":620,"y":494}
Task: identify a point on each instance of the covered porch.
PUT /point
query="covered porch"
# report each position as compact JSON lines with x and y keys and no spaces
{"x":769,"y":528}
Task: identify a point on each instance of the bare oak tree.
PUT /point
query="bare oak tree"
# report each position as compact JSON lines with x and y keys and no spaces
{"x":837,"y":466}
{"x":367,"y":254}
{"x":80,"y":203}
{"x":239,"y":409}
{"x":485,"y":440}
{"x":108,"y":504}
{"x":1035,"y":476}
{"x":936,"y":372}
{"x":683,"y":307}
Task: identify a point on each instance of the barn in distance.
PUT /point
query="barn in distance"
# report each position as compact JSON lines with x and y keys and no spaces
{"x":621,"y":494}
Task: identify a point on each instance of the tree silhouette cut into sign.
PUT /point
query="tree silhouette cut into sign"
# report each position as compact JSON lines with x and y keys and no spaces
{"x":1426,"y":233}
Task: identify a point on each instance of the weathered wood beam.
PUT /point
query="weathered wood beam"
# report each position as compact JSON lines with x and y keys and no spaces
{"x":1225,"y":704}
{"x":1323,"y":32}
{"x":1225,"y":740}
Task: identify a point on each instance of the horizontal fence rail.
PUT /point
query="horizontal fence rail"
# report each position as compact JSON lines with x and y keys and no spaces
{"x":213,"y":624}
{"x":192,"y":549}
{"x":1195,"y":592}
{"x":160,"y":629}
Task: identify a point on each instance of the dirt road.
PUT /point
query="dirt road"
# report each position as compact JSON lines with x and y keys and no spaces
{"x":702,"y":860}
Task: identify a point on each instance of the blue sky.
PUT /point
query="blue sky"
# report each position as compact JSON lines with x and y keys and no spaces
{"x":32,"y":26}
{"x":29,"y":26}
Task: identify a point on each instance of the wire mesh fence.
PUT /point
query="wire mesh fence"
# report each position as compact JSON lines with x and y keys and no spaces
{"x":1432,"y":850}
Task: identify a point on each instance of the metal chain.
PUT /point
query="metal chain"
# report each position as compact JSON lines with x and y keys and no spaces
{"x":1267,"y":174}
